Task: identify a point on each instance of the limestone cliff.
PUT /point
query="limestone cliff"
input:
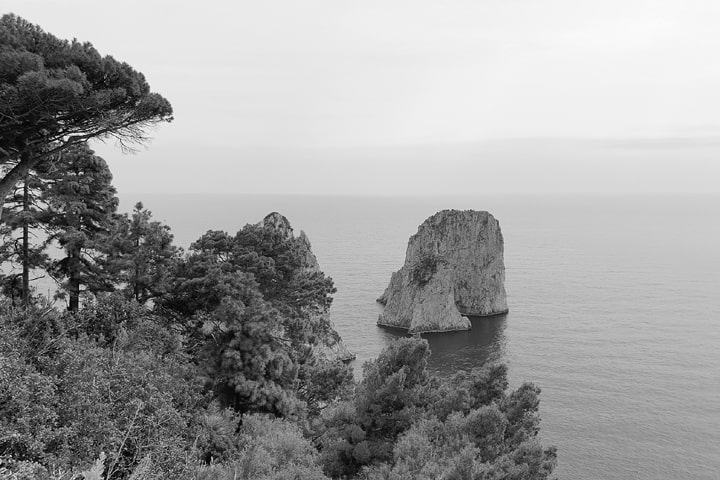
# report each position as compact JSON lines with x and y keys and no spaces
{"x":330,"y":345}
{"x":453,"y":269}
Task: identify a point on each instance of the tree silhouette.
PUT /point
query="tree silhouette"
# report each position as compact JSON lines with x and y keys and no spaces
{"x":62,"y":93}
{"x":142,"y":255}
{"x":80,"y":215}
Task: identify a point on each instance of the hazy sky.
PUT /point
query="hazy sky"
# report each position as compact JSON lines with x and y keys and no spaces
{"x":414,"y":97}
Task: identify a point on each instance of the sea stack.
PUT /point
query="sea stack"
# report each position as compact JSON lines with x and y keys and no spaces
{"x":329,"y":344}
{"x":453,"y":269}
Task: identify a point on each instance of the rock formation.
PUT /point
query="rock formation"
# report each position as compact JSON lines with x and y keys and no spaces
{"x":330,"y":345}
{"x":453,"y":269}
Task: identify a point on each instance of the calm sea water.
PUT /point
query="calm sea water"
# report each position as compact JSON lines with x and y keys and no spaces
{"x":614,"y":310}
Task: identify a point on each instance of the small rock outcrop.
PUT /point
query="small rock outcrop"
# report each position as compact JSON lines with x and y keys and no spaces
{"x":453,"y":269}
{"x":329,"y":345}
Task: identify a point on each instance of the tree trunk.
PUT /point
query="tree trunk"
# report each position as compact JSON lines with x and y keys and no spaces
{"x":26,"y":244}
{"x":18,"y":172}
{"x":136,"y":282}
{"x":74,"y":282}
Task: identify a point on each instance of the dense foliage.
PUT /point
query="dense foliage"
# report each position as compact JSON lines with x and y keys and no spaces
{"x":256,"y":309}
{"x":113,"y":382}
{"x":81,"y":205}
{"x":208,"y":365}
{"x":56,"y":93}
{"x":403,"y":423}
{"x":142,"y":256}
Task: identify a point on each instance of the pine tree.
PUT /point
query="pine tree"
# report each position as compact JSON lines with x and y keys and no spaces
{"x":80,"y":216}
{"x":64,"y":93}
{"x":251,"y":304}
{"x":143,"y":255}
{"x":23,"y":236}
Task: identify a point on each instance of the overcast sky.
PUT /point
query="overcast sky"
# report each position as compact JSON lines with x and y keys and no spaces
{"x":414,"y":97}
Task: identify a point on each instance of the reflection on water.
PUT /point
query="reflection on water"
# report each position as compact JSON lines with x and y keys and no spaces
{"x":453,"y":351}
{"x":463,"y":350}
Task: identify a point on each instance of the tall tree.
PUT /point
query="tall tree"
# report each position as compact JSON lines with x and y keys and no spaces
{"x":277,"y":263}
{"x":63,"y":93}
{"x":23,"y":242}
{"x":80,"y":215}
{"x":143,"y":255}
{"x":253,"y":303}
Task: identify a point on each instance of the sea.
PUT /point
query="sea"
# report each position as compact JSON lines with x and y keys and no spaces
{"x":614,"y":310}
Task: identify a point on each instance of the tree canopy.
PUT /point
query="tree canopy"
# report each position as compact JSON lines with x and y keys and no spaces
{"x":404,"y":423}
{"x":80,"y":214}
{"x":62,"y":92}
{"x":142,"y":255}
{"x":256,"y":307}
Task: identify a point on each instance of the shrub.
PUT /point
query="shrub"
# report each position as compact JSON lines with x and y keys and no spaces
{"x":423,"y":269}
{"x":66,"y":398}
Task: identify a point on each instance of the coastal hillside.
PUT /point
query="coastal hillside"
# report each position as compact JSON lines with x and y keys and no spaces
{"x":219,"y":362}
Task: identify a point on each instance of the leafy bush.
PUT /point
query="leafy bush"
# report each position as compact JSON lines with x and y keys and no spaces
{"x":65,"y":399}
{"x":114,"y":379}
{"x":404,"y":423}
{"x":267,"y":449}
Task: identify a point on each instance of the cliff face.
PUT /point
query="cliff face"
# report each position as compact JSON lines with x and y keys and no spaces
{"x":453,"y":268}
{"x":329,"y":345}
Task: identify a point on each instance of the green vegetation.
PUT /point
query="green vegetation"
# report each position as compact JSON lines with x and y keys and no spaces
{"x":55,"y":94}
{"x":142,"y":255}
{"x":424,"y":269}
{"x":81,"y":205}
{"x":115,"y":380}
{"x":197,"y":365}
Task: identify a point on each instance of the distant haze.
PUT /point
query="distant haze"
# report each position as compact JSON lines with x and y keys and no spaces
{"x":415,"y":97}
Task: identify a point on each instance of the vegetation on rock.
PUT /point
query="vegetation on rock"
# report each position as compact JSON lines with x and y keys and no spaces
{"x":422,"y":271}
